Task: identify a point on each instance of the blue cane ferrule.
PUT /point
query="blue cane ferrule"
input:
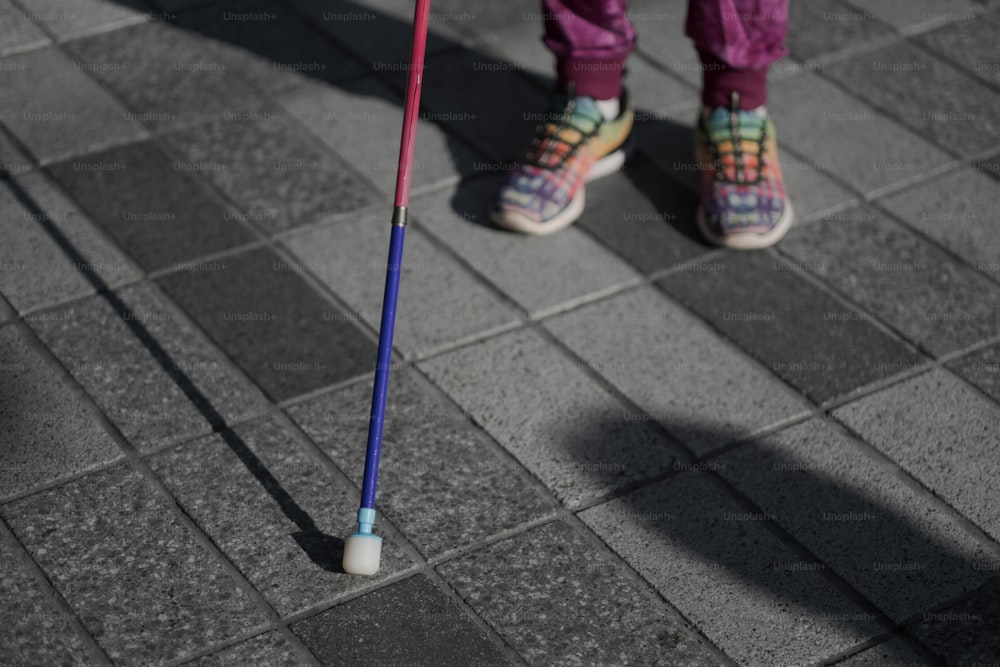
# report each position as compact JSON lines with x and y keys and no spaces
{"x":366,"y":519}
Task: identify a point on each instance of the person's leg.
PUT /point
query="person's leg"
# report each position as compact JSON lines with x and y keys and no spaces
{"x":591,"y":40}
{"x":582,"y":135}
{"x":743,"y":202}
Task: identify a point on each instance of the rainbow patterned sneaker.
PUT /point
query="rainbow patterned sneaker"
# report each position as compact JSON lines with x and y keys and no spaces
{"x":573,"y":144}
{"x":743,"y":202}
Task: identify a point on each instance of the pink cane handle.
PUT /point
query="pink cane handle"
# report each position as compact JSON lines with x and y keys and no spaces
{"x":411,"y":110}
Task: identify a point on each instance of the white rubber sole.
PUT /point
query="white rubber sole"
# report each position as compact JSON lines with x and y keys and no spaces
{"x":747,"y":240}
{"x":517,"y":222}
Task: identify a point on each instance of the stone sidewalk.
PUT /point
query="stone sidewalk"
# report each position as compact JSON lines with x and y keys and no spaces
{"x":614,"y":445}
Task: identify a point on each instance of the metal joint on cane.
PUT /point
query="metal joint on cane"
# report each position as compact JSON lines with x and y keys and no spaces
{"x":400,"y":216}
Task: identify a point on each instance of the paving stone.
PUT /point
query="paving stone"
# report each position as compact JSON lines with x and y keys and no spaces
{"x":804,"y":335}
{"x":810,"y":191}
{"x":270,"y":648}
{"x":159,"y":214}
{"x":938,"y":303}
{"x":675,"y":368}
{"x":273,"y":511}
{"x":378,"y":33}
{"x":940,"y":431}
{"x":275,"y":173}
{"x":68,"y":18}
{"x":13,"y":161}
{"x":538,"y":273}
{"x":410,"y":623}
{"x":957,"y":211}
{"x":645,"y":217}
{"x":898,"y":548}
{"x":436,"y":469}
{"x":846,"y":138}
{"x":893,"y":653}
{"x":660,"y":34}
{"x":982,"y":369}
{"x":489,"y":17}
{"x":135,"y":575}
{"x":167,"y":76}
{"x":37,"y":271}
{"x":269,"y":45}
{"x":903,"y":15}
{"x":825,"y":26}
{"x":942,"y":103}
{"x":557,"y":599}
{"x":970,"y":43}
{"x":361,"y":121}
{"x":440,"y":302}
{"x":56,"y":110}
{"x":989,"y":166}
{"x":714,"y":561}
{"x":272,"y":323}
{"x":133,"y":385}
{"x":17,"y":32}
{"x":577,"y":439}
{"x":966,"y":633}
{"x":32,"y":630}
{"x":47,"y":432}
{"x":470,"y":91}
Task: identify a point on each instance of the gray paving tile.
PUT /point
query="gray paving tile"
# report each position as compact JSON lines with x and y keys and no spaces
{"x":485,"y":100}
{"x":274,"y":172}
{"x":966,"y":633}
{"x":16,"y":29}
{"x":577,"y":439}
{"x":982,"y":369}
{"x":136,"y":390}
{"x":938,"y":101}
{"x":270,"y":648}
{"x":56,"y":110}
{"x":557,"y":599}
{"x":67,"y":18}
{"x":906,"y":14}
{"x":361,"y":120}
{"x":490,"y":17}
{"x":940,"y":431}
{"x":893,"y":653}
{"x":136,"y":576}
{"x":436,"y":469}
{"x":12,"y":159}
{"x":816,"y":28}
{"x":804,"y":335}
{"x":846,"y":138}
{"x":160,"y":215}
{"x":970,"y":43}
{"x":439,"y":300}
{"x":269,"y":45}
{"x":854,"y":513}
{"x":47,"y":432}
{"x":934,"y":301}
{"x":660,"y":29}
{"x":644,"y":216}
{"x":714,"y":561}
{"x":165,"y":75}
{"x":377,"y":32}
{"x":40,"y":272}
{"x":270,"y":507}
{"x":272,"y":323}
{"x":411,"y":623}
{"x":989,"y":166}
{"x":675,"y":368}
{"x":810,"y":192}
{"x":33,"y":631}
{"x":538,"y":273}
{"x":958,"y":211}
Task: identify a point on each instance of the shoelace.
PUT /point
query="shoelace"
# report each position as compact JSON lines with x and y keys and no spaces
{"x":737,"y":151}
{"x":549,"y":136}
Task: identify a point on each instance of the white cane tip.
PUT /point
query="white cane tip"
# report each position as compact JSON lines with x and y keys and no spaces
{"x":362,"y":554}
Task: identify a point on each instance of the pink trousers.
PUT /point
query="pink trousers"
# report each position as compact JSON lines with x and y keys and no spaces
{"x":592,"y":38}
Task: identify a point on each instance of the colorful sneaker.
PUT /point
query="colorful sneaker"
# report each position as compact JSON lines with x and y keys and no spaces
{"x":572,"y":145}
{"x":743,"y":202}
